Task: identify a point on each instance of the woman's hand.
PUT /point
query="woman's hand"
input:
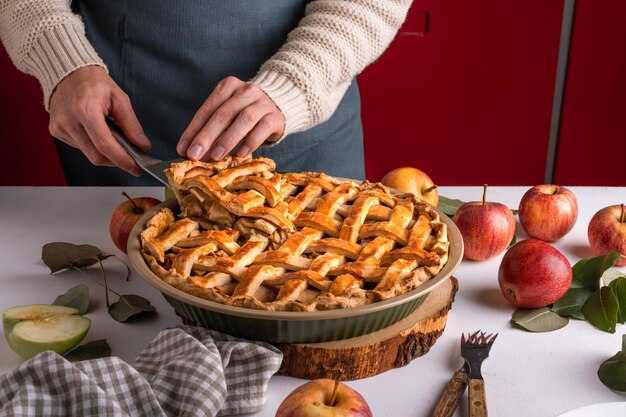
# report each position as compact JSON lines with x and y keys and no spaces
{"x":78,"y":108}
{"x":234,"y":112}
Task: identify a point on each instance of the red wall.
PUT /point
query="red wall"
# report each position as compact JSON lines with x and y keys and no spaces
{"x":469,"y":101}
{"x":29,"y":154}
{"x":464,"y":93}
{"x":592,"y":144}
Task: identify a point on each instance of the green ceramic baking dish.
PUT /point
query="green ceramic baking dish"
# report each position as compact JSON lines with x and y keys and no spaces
{"x":287,"y":326}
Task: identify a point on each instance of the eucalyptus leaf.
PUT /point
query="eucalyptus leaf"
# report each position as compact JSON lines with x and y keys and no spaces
{"x":63,"y":255}
{"x":571,"y":303}
{"x":587,"y":272}
{"x":611,"y":274}
{"x":612,"y":372}
{"x":92,"y":350}
{"x":128,"y":306}
{"x":538,"y":319}
{"x":600,"y":309}
{"x":619,"y":288}
{"x":448,"y":205}
{"x":76,"y":297}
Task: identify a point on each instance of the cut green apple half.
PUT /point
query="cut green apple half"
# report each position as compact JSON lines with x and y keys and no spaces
{"x":32,"y":329}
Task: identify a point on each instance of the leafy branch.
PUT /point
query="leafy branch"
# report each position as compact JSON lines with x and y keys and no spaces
{"x":60,"y":256}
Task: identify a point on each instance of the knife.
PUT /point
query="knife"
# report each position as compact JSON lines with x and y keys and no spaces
{"x":149,"y":164}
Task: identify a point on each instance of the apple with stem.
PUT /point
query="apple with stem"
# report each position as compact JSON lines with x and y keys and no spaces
{"x":607,"y":232}
{"x":126,"y":215}
{"x":414,"y":181}
{"x":35,"y":328}
{"x":324,"y":398}
{"x":534,"y":274}
{"x":487,"y":228}
{"x":548,"y":212}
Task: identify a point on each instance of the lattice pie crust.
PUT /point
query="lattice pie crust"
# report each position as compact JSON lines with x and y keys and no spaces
{"x":248,"y":236}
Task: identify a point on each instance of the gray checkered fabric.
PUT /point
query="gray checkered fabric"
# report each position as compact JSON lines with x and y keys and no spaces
{"x":184,"y":371}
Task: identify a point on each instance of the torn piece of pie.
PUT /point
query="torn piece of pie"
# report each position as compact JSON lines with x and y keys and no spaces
{"x":249,"y":236}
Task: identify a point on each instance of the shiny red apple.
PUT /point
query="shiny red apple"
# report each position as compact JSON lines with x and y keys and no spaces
{"x":548,"y":212}
{"x":324,"y":398}
{"x":607,"y":232}
{"x":487,"y":228}
{"x":126,"y":215}
{"x":534,"y":274}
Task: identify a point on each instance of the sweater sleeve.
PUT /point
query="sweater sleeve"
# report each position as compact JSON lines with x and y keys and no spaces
{"x":335,"y":40}
{"x":44,"y":38}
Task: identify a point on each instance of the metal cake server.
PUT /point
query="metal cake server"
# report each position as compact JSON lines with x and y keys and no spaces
{"x":149,"y":164}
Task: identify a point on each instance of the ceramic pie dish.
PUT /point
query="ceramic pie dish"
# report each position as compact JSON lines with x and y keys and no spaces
{"x":292,"y":326}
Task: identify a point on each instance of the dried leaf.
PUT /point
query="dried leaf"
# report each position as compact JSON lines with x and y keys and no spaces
{"x":571,"y":304}
{"x":619,"y":288}
{"x":600,"y":309}
{"x":63,"y":255}
{"x":76,"y":297}
{"x":128,"y":306}
{"x":448,"y":205}
{"x":92,"y":350}
{"x":612,"y":372}
{"x":538,"y":319}
{"x":586,"y":273}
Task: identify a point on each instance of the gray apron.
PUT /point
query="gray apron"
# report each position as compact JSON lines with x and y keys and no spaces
{"x":169,"y":55}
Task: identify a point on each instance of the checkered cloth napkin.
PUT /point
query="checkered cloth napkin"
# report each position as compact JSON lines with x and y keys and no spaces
{"x":184,"y":371}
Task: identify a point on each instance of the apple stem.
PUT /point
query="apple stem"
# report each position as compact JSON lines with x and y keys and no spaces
{"x":484,"y":193}
{"x":333,"y":397}
{"x":429,"y":189}
{"x":137,"y":210}
{"x":621,"y":217}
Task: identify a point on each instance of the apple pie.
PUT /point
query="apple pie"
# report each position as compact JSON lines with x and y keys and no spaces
{"x":249,"y":236}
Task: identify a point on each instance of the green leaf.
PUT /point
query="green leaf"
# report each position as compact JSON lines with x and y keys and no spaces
{"x":612,"y":274}
{"x":76,"y":297}
{"x":448,"y":205}
{"x":538,"y":319}
{"x":128,"y":306}
{"x":63,"y":255}
{"x":92,"y":350}
{"x":601,"y":309}
{"x":587,"y":272}
{"x":619,"y":288}
{"x":571,"y":304}
{"x":513,"y":241}
{"x":612,"y":372}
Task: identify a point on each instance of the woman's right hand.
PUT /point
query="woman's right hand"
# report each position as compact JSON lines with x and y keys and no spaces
{"x":78,"y":108}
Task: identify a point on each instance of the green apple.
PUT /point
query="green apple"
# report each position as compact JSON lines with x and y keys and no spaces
{"x":32,"y":329}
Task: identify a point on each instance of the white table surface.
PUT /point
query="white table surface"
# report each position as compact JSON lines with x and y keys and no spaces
{"x":527,"y":374}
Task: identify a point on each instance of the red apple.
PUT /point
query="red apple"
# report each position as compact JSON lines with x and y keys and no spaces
{"x":324,"y":398}
{"x":534,"y":274}
{"x":548,"y":212}
{"x":607,"y":232}
{"x":487,"y":228}
{"x":126,"y":215}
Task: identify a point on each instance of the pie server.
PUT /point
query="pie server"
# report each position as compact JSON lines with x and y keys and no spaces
{"x":149,"y":164}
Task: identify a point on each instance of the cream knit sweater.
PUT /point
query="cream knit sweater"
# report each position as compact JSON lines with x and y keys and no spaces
{"x":306,"y":78}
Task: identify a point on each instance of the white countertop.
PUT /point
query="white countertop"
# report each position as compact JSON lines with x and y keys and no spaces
{"x":527,"y":374}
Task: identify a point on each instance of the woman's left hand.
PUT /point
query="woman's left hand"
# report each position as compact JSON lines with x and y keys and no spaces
{"x":234,"y":112}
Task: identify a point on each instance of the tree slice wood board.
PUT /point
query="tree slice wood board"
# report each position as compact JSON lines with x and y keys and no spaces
{"x":376,"y":352}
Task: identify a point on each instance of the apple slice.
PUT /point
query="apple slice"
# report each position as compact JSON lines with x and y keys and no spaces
{"x":32,"y":329}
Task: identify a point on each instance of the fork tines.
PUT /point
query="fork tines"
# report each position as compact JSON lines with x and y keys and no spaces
{"x":478,"y":338}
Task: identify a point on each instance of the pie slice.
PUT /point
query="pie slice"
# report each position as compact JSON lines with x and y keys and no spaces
{"x":249,"y":236}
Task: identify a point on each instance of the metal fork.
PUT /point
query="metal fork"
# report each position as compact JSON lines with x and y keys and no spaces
{"x":475,"y":349}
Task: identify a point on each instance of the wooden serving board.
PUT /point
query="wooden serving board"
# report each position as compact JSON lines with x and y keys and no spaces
{"x":377,"y":352}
